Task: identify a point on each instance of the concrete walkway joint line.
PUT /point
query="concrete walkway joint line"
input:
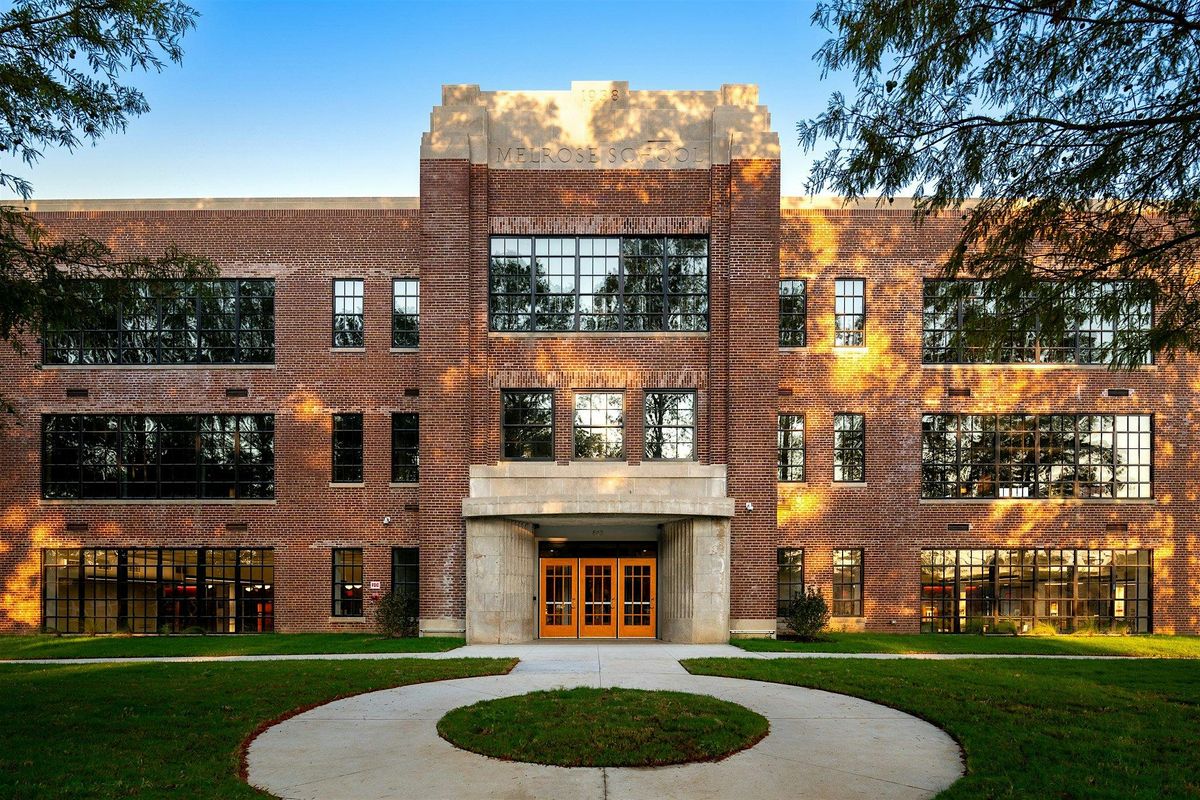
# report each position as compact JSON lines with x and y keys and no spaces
{"x":385,"y":744}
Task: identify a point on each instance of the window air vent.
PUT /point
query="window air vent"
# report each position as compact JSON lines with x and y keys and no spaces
{"x":411,"y":507}
{"x":1116,"y":527}
{"x":237,"y":392}
{"x":77,"y":392}
{"x":236,"y":526}
{"x":1118,"y":392}
{"x":958,"y":527}
{"x":412,"y":392}
{"x":785,"y":392}
{"x":77,"y":526}
{"x":958,"y":392}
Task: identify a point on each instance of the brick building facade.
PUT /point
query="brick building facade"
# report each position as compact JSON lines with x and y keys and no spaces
{"x":691,"y":524}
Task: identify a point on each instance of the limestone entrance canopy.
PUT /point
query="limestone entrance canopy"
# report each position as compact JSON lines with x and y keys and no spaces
{"x":687,"y":501}
{"x":600,"y":125}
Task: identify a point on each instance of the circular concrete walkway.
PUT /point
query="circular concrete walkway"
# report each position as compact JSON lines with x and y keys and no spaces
{"x":385,"y":744}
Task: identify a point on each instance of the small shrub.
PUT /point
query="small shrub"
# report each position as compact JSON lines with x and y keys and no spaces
{"x":396,"y":614}
{"x":807,"y":615}
{"x":977,"y":625}
{"x":1043,"y":629}
{"x":1008,"y":627}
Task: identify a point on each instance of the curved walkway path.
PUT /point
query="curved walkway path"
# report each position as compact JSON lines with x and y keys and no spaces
{"x":385,"y":744}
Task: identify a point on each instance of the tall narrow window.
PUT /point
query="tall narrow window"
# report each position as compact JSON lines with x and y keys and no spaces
{"x":850,"y":312}
{"x":347,"y":448}
{"x":600,"y":425}
{"x":793,"y":314}
{"x":670,"y":426}
{"x":849,"y":448}
{"x":406,"y":572}
{"x":527,"y":425}
{"x":348,"y":313}
{"x":848,"y":583}
{"x":791,"y":447}
{"x":348,"y":582}
{"x":406,"y":312}
{"x":790,"y":577}
{"x":406,"y":448}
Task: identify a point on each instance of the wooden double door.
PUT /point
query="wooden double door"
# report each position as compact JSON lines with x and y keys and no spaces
{"x":603,"y":598}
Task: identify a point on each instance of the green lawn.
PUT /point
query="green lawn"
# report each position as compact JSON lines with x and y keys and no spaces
{"x":169,"y":730}
{"x":1030,"y":728}
{"x":589,"y":727}
{"x":48,"y":646}
{"x":1157,"y":646}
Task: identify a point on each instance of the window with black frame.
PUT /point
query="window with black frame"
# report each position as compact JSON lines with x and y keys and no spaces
{"x":600,"y":425}
{"x":348,"y":313}
{"x":791,"y":447}
{"x":793,"y":313}
{"x":348,"y":582}
{"x":850,"y":312}
{"x":225,"y":321}
{"x":849,"y":448}
{"x":848,"y":583}
{"x":406,"y":572}
{"x":527,"y":425}
{"x":406,"y":312}
{"x":347,"y":448}
{"x":158,"y":590}
{"x":641,"y":283}
{"x":158,"y":456}
{"x":406,"y":448}
{"x":789,"y":577}
{"x":1033,"y":456}
{"x":670,"y":426}
{"x":1100,"y":320}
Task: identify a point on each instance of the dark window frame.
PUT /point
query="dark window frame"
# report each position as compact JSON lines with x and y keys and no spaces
{"x":505,"y":426}
{"x":856,"y":602}
{"x":406,"y":571}
{"x":576,"y":427}
{"x":406,"y":339}
{"x":622,"y":298}
{"x":341,"y":471}
{"x":794,"y":584}
{"x":161,"y":333}
{"x":1044,"y":433}
{"x":343,"y":602}
{"x":694,"y":427}
{"x":356,"y":339}
{"x":1039,"y":352}
{"x":1031,"y":585}
{"x":162,"y":461}
{"x":849,"y":337}
{"x":796,"y":333}
{"x":175,"y":604}
{"x":406,"y":471}
{"x":839,"y":448}
{"x":788,"y":471}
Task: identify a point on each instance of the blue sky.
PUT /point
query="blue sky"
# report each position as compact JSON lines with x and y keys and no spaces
{"x":308,"y":98}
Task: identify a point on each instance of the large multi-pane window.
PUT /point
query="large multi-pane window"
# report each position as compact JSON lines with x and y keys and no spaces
{"x":406,"y":572}
{"x":158,"y":456}
{"x":406,"y":448}
{"x":406,"y":312}
{"x":793,"y":314}
{"x":849,"y":448}
{"x":849,"y":312}
{"x":527,"y":424}
{"x":348,"y":312}
{"x":1100,"y":321}
{"x":848,"y":583}
{"x":158,"y":590}
{"x":228,"y":321}
{"x":972,"y":591}
{"x":600,"y":425}
{"x":348,"y":582}
{"x":670,"y":426}
{"x":791,"y":447}
{"x":1087,"y":456}
{"x":789,"y":563}
{"x":347,"y":447}
{"x":599,"y":283}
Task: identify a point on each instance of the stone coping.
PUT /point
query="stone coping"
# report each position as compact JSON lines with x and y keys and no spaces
{"x":607,"y":505}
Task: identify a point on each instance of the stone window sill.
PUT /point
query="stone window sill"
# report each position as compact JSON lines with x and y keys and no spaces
{"x":347,"y":349}
{"x":340,"y":485}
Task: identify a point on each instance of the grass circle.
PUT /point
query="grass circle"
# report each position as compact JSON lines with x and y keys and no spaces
{"x":588,"y":727}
